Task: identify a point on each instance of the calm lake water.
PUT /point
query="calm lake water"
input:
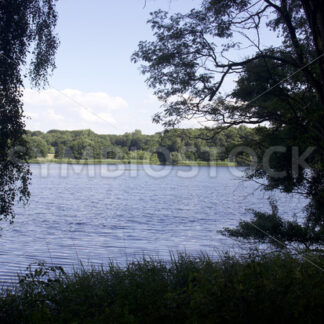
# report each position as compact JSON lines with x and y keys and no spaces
{"x":97,"y":212}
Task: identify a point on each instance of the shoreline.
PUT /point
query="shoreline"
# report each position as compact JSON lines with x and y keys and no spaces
{"x":134,"y":162}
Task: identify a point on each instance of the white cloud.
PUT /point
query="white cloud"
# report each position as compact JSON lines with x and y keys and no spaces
{"x":52,"y":115}
{"x":72,"y":109}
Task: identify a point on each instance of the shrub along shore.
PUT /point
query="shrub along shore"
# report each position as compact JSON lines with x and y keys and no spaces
{"x":272,"y":288}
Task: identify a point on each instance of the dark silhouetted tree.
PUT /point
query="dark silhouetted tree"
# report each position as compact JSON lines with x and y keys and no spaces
{"x":26,"y":31}
{"x":281,"y":85}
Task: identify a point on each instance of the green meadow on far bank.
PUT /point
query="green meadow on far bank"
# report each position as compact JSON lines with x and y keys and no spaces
{"x":113,"y":161}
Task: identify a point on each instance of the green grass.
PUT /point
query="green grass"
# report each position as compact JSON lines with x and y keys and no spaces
{"x":204,"y":163}
{"x":73,"y":161}
{"x":257,"y":289}
{"x":111,"y":161}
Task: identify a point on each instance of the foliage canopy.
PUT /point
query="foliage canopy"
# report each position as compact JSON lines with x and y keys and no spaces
{"x":280,"y":86}
{"x":26,"y":31}
{"x":172,"y":146}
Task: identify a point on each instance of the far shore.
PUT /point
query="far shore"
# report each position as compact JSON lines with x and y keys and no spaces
{"x":111,"y":161}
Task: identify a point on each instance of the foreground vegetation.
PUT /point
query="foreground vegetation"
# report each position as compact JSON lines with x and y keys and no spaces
{"x":274,"y":288}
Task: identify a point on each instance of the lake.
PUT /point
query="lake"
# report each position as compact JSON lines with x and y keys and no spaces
{"x":95,"y":213}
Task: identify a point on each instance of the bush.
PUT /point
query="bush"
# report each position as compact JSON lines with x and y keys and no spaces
{"x":256,"y":289}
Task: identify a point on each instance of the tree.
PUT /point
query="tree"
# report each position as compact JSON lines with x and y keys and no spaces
{"x":175,"y":158}
{"x":59,"y":151}
{"x":36,"y":147}
{"x":26,"y":30}
{"x":137,"y":140}
{"x":281,"y":231}
{"x":280,"y":86}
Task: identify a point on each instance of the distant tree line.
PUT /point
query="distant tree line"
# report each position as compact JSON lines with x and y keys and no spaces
{"x":170,"y":147}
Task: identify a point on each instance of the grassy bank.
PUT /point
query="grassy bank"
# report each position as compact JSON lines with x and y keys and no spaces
{"x":111,"y":161}
{"x":73,"y":161}
{"x":258,"y":289}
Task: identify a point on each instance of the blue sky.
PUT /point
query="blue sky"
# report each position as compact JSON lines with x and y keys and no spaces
{"x":94,"y":69}
{"x":93,"y":66}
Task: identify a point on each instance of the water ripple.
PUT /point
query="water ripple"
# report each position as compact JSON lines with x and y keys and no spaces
{"x":95,"y":219}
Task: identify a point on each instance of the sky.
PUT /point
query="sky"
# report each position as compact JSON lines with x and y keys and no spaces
{"x":95,"y":85}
